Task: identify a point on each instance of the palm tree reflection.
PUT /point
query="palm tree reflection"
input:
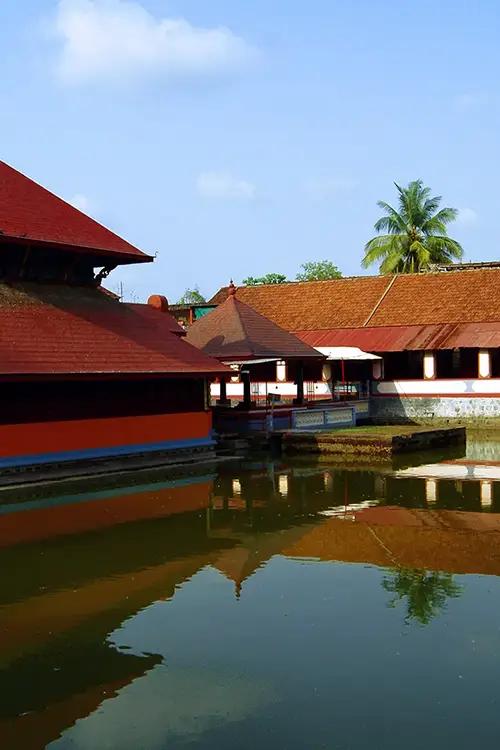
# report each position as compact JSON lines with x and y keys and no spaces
{"x":426,"y":592}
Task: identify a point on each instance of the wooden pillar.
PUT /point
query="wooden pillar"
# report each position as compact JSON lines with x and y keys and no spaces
{"x":223,"y":399}
{"x":429,"y":365}
{"x":299,"y":382}
{"x":484,"y":363}
{"x":247,"y":395}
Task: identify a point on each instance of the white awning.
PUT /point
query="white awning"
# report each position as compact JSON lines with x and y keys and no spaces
{"x":241,"y":362}
{"x":345,"y":352}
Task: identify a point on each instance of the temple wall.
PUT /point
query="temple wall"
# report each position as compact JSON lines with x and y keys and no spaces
{"x":72,"y":440}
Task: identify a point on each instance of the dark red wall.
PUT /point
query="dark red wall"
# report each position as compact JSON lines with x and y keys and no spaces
{"x":61,"y":400}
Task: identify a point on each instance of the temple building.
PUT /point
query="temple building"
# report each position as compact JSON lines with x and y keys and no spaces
{"x":436,"y":337}
{"x":270,"y":367}
{"x":84,"y":376}
{"x":260,"y":352}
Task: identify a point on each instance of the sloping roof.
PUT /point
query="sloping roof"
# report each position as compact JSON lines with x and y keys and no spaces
{"x":411,"y":338}
{"x":30,"y":214}
{"x":54,"y":329}
{"x":234,"y":330}
{"x":314,"y":304}
{"x":461,"y":297}
{"x":150,"y":314}
{"x":404,"y":300}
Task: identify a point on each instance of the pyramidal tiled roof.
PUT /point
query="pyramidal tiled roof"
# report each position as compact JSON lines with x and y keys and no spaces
{"x":235,"y":331}
{"x":30,"y":214}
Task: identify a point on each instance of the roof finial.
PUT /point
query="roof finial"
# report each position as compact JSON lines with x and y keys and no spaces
{"x":231,"y":290}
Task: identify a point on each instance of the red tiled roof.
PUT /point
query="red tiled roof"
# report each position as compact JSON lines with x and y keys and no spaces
{"x":307,"y":305}
{"x":31,"y":214}
{"x":426,"y":298}
{"x":401,"y":338}
{"x":234,"y":331}
{"x":383,"y":339}
{"x":405,"y":300}
{"x":151,"y":314}
{"x":51,"y":329}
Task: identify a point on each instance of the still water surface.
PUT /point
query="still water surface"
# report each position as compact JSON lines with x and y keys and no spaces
{"x":269,"y":605}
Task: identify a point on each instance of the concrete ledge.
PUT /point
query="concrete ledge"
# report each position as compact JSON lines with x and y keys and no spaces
{"x":186,"y":459}
{"x":379,"y":443}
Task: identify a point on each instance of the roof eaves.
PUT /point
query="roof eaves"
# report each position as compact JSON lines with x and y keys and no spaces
{"x":125,"y":256}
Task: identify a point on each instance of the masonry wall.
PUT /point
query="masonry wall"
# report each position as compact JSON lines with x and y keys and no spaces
{"x":474,"y":401}
{"x":428,"y":410}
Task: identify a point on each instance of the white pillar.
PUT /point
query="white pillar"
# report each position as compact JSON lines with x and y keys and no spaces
{"x":484,"y":363}
{"x":380,"y":487}
{"x":326,"y":373}
{"x":486,"y":494}
{"x":283,"y":484}
{"x":431,"y":491}
{"x":378,"y":369}
{"x":429,"y":365}
{"x":281,"y":371}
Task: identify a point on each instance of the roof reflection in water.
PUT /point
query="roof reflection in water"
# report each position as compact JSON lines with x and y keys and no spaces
{"x":88,"y":560}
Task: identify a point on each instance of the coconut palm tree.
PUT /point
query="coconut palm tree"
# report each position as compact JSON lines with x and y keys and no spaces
{"x":415,"y":235}
{"x":426,"y":592}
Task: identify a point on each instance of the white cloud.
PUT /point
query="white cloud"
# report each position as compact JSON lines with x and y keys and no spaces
{"x":81,"y":202}
{"x":320,"y":188}
{"x":224,"y":185}
{"x":467,"y":216}
{"x":116,"y":38}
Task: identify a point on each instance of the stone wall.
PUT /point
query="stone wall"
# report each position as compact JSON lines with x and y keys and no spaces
{"x":430,"y":410}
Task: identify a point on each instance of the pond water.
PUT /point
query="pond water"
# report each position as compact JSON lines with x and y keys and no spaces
{"x":268,"y":604}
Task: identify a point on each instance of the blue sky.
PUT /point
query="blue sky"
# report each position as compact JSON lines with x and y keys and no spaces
{"x":238,"y":137}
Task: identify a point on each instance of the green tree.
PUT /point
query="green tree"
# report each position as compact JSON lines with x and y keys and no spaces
{"x":426,"y":592}
{"x":415,"y":235}
{"x":318,"y":271}
{"x":192,"y":297}
{"x":269,"y":278}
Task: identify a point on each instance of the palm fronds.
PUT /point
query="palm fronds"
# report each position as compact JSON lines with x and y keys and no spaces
{"x":415,"y":235}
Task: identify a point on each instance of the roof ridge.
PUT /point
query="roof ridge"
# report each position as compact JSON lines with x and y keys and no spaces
{"x":240,"y":321}
{"x":381,"y":299}
{"x":295,"y":282}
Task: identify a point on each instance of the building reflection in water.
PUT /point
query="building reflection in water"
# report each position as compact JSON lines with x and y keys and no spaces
{"x":88,"y":560}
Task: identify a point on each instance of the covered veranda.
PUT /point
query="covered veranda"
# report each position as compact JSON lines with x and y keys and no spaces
{"x":272,"y":369}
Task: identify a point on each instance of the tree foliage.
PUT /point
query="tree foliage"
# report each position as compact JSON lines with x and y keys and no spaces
{"x":414,"y":235}
{"x":426,"y":592}
{"x":319,"y":270}
{"x":192,"y":297}
{"x":269,"y":278}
